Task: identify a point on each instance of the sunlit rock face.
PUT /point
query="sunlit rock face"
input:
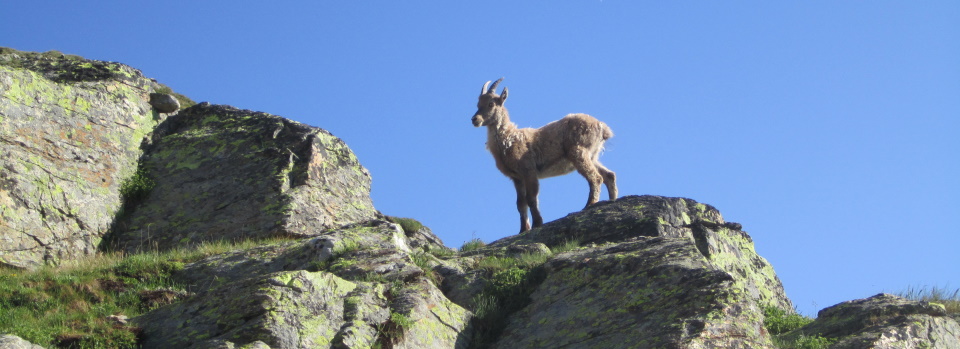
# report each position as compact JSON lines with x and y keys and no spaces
{"x":224,"y":173}
{"x":70,"y":134}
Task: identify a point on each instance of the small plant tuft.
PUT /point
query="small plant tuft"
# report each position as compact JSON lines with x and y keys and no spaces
{"x":813,"y":342}
{"x":471,"y":245}
{"x":346,"y":246}
{"x":441,"y":252}
{"x":940,"y":295}
{"x":185,"y":102}
{"x":425,"y":262}
{"x":392,"y":331}
{"x":778,"y":321}
{"x":410,"y":226}
{"x":506,"y":292}
{"x":567,"y":245}
{"x":136,"y":188}
{"x":402,"y":321}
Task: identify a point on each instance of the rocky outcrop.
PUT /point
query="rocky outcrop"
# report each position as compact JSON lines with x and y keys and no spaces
{"x":353,"y":287}
{"x":722,"y":244}
{"x":655,"y":272}
{"x":78,"y":136}
{"x":223,"y":173}
{"x":650,"y":293}
{"x":70,"y":134}
{"x":884,"y":321}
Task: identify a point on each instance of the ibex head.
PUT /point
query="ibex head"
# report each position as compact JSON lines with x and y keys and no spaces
{"x":490,"y":109}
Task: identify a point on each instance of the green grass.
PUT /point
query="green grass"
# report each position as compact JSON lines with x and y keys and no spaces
{"x":810,"y":342}
{"x":471,"y":245}
{"x":185,"y":102}
{"x":69,"y":305}
{"x":409,"y":225}
{"x":778,"y":321}
{"x":510,"y":281}
{"x":425,"y":262}
{"x":495,"y":264}
{"x":507,"y":291}
{"x":136,"y":188}
{"x":441,"y":252}
{"x":391,"y":332}
{"x":567,"y":245}
{"x":943,"y":296}
{"x":346,"y":246}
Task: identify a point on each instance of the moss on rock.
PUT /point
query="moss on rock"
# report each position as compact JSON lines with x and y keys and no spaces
{"x":223,"y":174}
{"x":70,"y":133}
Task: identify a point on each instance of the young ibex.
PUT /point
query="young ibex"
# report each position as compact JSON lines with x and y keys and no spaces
{"x":526,"y":154}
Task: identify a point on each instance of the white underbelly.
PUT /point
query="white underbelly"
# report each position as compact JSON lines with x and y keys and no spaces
{"x":557,"y":169}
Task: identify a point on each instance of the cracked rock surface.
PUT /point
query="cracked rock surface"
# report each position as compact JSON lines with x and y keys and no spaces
{"x":70,"y":133}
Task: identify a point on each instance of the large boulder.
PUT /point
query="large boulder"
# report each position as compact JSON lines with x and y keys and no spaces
{"x":648,"y":293}
{"x":352,"y":287}
{"x":70,"y":134}
{"x":884,"y":321}
{"x":223,"y":173}
{"x":652,"y":272}
{"x":722,"y":245}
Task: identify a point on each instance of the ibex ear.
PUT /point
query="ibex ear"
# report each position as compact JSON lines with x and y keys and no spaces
{"x":503,"y":96}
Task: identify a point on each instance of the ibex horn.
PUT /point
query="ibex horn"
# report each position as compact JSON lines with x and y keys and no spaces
{"x":484,"y":90}
{"x":493,"y":89}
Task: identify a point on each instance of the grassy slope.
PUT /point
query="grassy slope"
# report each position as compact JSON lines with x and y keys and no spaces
{"x":70,"y":305}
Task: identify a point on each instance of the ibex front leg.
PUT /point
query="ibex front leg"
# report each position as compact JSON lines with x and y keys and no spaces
{"x":533,"y":190}
{"x":522,"y":204}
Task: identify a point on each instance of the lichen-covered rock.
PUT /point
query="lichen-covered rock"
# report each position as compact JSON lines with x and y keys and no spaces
{"x":655,"y":272}
{"x":352,"y":252}
{"x":352,"y":287}
{"x":223,"y":173}
{"x":648,"y":293}
{"x":884,"y":321}
{"x":722,"y":244}
{"x":8,"y":341}
{"x":70,"y":134}
{"x":294,"y":309}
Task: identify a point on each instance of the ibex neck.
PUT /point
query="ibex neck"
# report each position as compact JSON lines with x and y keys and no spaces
{"x":501,"y":136}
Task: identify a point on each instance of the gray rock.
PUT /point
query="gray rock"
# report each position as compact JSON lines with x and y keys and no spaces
{"x":884,"y":321}
{"x":285,"y":309}
{"x":164,"y":102}
{"x":355,"y":298}
{"x":649,"y":293}
{"x":70,"y":135}
{"x":9,"y":341}
{"x":223,"y":173}
{"x":522,"y":249}
{"x":629,"y":218}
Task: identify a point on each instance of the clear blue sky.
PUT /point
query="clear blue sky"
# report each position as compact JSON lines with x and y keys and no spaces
{"x":829,"y":129}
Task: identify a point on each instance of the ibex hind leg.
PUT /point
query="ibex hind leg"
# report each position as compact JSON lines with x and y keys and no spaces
{"x":586,"y":168}
{"x":609,"y":179}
